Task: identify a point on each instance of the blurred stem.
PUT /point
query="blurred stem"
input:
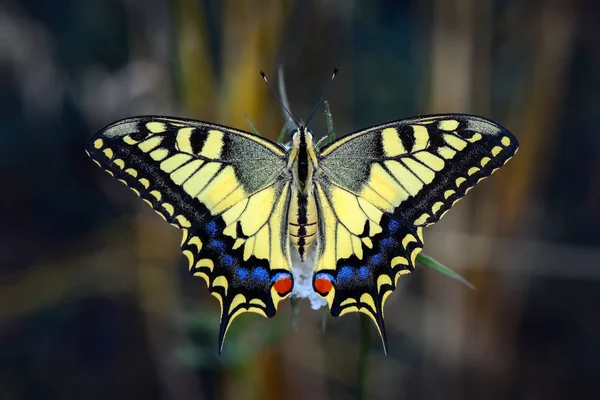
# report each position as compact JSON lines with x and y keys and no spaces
{"x":252,"y":127}
{"x":282,"y":133}
{"x":329,"y":119}
{"x":289,"y":123}
{"x":324,"y":319}
{"x":363,"y":357}
{"x":436,"y":265}
{"x":294,"y":305}
{"x":196,"y":76}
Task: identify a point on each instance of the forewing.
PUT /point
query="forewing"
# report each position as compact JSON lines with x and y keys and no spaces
{"x":397,"y":178}
{"x":226,"y":189}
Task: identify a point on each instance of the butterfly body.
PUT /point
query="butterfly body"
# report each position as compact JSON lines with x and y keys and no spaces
{"x":303,"y":211}
{"x":240,"y":200}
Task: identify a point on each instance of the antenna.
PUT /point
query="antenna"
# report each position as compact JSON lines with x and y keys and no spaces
{"x":262,"y":73}
{"x":335,"y":71}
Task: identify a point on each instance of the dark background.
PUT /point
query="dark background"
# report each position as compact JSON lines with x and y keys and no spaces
{"x":95,"y":298}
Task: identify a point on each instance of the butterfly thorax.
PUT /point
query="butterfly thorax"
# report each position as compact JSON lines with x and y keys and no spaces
{"x":303,"y":212}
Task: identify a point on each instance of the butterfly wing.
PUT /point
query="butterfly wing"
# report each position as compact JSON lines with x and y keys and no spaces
{"x":379,"y":187}
{"x":226,"y":189}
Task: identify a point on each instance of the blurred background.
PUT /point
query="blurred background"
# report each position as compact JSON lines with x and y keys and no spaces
{"x":95,"y":298}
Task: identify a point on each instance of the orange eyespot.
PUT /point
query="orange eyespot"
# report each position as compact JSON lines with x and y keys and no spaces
{"x":323,"y":285}
{"x":283,"y":284}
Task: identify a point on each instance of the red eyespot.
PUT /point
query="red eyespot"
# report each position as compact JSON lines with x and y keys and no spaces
{"x":283,"y":285}
{"x":323,"y":285}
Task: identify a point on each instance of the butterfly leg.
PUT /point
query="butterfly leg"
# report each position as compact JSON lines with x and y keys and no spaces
{"x":318,"y":144}
{"x":330,"y":132}
{"x":329,"y":119}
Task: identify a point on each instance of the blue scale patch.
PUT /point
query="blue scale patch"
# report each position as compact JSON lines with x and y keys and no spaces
{"x":217,"y":245}
{"x":242,"y":273}
{"x":363,"y":272}
{"x":385,"y":243}
{"x":375,"y":259}
{"x":229,"y":261}
{"x":260,"y":274}
{"x":393,"y":226}
{"x":345,"y":274}
{"x":281,"y":275}
{"x":212,"y":228}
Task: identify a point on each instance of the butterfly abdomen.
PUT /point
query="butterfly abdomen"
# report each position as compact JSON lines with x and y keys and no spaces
{"x":303,"y":221}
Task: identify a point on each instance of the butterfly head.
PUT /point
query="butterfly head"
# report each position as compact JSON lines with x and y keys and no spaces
{"x":302,"y":136}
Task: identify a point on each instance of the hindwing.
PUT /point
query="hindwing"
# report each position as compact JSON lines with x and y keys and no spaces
{"x":361,"y":253}
{"x":226,"y":189}
{"x":243,"y":255}
{"x":380,"y":186}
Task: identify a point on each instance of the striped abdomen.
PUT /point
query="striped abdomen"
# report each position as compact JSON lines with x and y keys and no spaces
{"x":302,"y":221}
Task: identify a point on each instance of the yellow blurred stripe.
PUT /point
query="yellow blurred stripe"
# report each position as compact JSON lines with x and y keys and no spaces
{"x":197,"y":76}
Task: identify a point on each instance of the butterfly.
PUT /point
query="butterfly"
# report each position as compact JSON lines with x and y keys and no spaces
{"x":242,"y":201}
